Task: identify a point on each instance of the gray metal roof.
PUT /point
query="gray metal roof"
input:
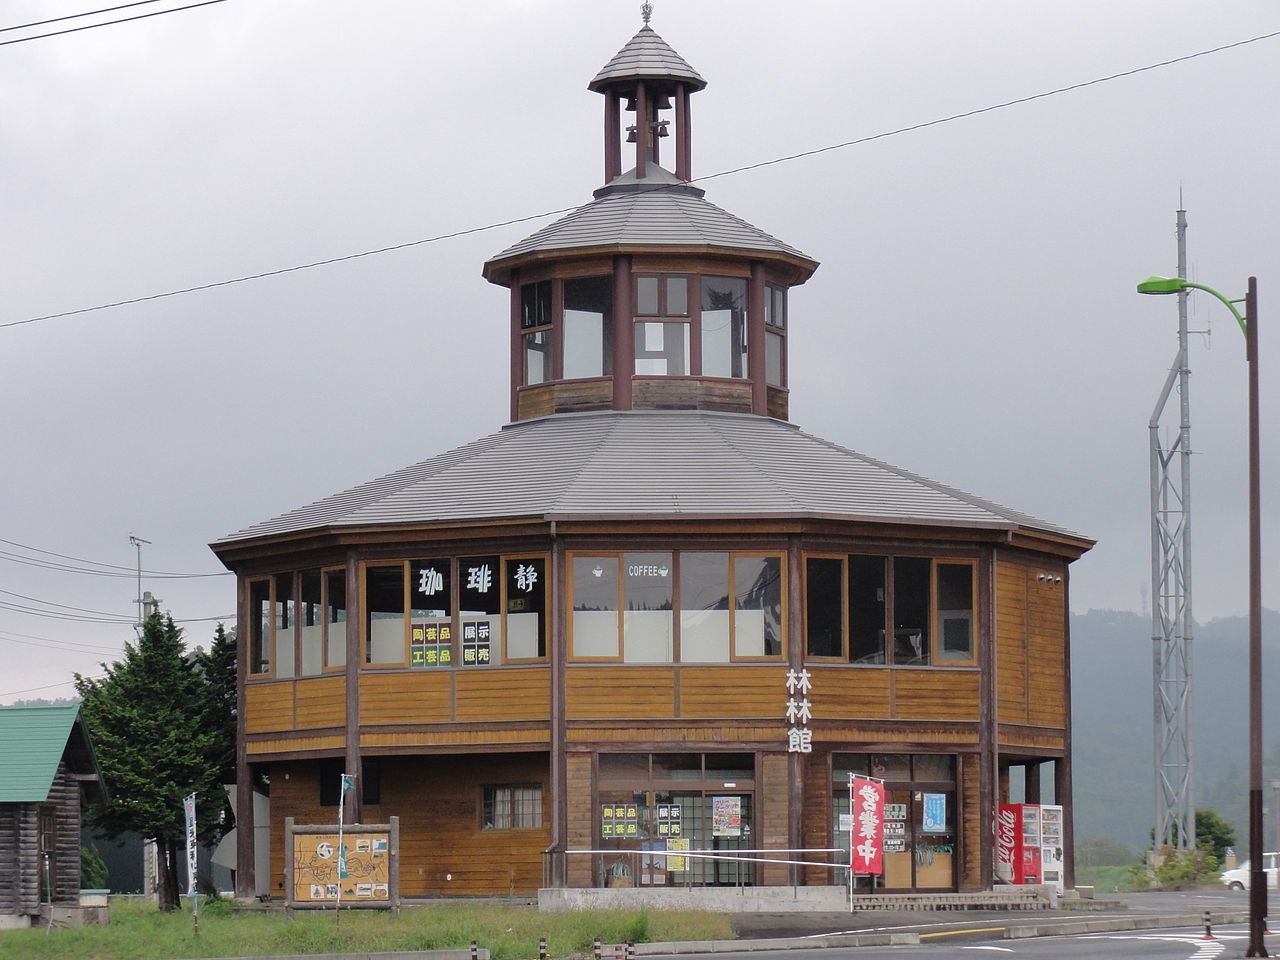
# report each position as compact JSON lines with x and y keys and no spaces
{"x":657,"y":211}
{"x":646,"y":56}
{"x":674,"y":463}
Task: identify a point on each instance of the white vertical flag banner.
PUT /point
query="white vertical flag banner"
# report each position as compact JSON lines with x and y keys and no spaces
{"x":348,"y":781}
{"x":189,"y":811}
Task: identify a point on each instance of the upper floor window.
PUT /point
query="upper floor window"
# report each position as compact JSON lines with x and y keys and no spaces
{"x":897,"y":610}
{"x":468,"y":611}
{"x":666,"y":607}
{"x":662,"y":326}
{"x":577,"y":313}
{"x":724,"y":327}
{"x":775,"y":335}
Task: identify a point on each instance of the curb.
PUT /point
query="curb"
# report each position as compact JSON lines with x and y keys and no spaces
{"x":1059,"y":928}
{"x":781,"y":943}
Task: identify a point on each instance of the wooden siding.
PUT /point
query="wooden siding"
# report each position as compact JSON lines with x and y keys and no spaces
{"x":691,"y":393}
{"x":563,"y":396}
{"x":668,"y":736}
{"x":774,"y":819}
{"x":1011,"y":643}
{"x":265,"y":748}
{"x":969,"y":788}
{"x":268,"y":707}
{"x":438,"y":801}
{"x":581,"y":806}
{"x":507,"y":693}
{"x":452,"y":738}
{"x":1046,"y":653}
{"x":815,"y":771}
{"x":935,"y":694}
{"x":320,"y":702}
{"x":850,"y":693}
{"x":778,"y":402}
{"x":733,"y":691}
{"x":1030,"y":645}
{"x":418,"y":696}
{"x":623,"y":693}
{"x":21,"y":870}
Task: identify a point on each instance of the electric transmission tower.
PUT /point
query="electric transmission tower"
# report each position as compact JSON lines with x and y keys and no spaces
{"x":1171,"y":623}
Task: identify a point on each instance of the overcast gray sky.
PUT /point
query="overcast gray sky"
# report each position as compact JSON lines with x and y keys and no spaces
{"x":974,"y":318}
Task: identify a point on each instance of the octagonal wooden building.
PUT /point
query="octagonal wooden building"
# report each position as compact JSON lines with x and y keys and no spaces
{"x":580,"y":638}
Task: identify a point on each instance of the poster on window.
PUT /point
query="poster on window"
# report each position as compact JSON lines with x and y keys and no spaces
{"x":933,"y":818}
{"x":726,"y":816}
{"x":866,"y":841}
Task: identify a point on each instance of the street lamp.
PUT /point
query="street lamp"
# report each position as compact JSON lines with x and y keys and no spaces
{"x":1249,"y":326}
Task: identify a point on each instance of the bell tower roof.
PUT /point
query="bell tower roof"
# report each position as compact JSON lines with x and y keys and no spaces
{"x":646,"y":56}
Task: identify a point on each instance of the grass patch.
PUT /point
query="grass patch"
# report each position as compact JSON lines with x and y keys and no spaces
{"x":1104,"y":879}
{"x":140,"y":932}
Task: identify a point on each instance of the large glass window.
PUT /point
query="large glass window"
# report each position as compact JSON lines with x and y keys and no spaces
{"x":926,"y":606}
{"x":757,"y":619}
{"x":704,"y":607}
{"x":526,"y":583}
{"x":335,"y":618}
{"x":535,"y":328}
{"x":283,"y":622}
{"x":662,"y":345}
{"x":866,"y":609}
{"x":311,"y":624}
{"x":911,"y":613}
{"x":430,"y":613}
{"x":730,"y":607}
{"x":724,"y":327}
{"x":384,"y":614}
{"x":260,"y":626}
{"x":647,"y":625}
{"x":775,"y":341}
{"x":595,"y":607}
{"x":824,"y":606}
{"x":588,"y":327}
{"x":480,"y":610}
{"x":955,"y":611}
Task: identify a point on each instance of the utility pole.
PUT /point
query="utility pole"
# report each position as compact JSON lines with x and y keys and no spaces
{"x":142,"y":612}
{"x":1171,"y":620}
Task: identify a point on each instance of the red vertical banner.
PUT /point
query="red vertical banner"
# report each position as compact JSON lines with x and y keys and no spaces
{"x":866,"y":836}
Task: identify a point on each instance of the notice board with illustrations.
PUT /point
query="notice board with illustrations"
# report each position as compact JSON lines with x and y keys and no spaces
{"x":360,"y":870}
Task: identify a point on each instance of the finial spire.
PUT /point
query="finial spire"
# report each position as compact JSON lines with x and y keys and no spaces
{"x":646,"y":11}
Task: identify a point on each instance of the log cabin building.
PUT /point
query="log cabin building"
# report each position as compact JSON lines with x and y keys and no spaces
{"x":48,"y":774}
{"x":650,"y":610}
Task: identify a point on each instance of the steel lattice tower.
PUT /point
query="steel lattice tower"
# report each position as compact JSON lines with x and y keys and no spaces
{"x":1171,"y":621}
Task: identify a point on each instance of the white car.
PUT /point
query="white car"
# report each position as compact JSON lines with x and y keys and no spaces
{"x":1238,"y":879}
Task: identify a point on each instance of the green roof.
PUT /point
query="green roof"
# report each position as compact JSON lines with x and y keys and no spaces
{"x":32,"y":741}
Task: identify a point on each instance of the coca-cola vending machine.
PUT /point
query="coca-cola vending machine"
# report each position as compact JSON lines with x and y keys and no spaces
{"x":1018,"y":843}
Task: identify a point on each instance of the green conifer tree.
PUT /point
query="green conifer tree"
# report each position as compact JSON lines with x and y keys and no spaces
{"x":150,"y":720}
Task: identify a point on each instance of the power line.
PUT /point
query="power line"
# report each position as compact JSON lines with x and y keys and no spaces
{"x":723,"y":173}
{"x":105,"y":23}
{"x":76,"y":16}
{"x":48,"y":686}
{"x":11,"y":635}
{"x":125,"y":571}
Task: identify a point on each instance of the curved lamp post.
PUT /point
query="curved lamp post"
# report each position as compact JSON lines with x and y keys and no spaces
{"x":1249,"y":326}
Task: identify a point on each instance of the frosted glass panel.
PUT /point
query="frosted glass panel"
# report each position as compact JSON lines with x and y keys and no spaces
{"x":386,"y":639}
{"x":312,"y":638}
{"x":648,"y":635}
{"x":704,"y":636}
{"x":522,"y":635}
{"x":748,"y":633}
{"x":595,"y":633}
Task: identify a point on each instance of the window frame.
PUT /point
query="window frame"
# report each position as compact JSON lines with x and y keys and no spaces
{"x":325,"y":575}
{"x":511,"y":788}
{"x":261,"y":634}
{"x":843,"y":656}
{"x":664,"y":315}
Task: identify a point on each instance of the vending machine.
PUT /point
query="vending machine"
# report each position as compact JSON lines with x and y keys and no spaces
{"x":1018,"y":843}
{"x":1051,"y":845}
